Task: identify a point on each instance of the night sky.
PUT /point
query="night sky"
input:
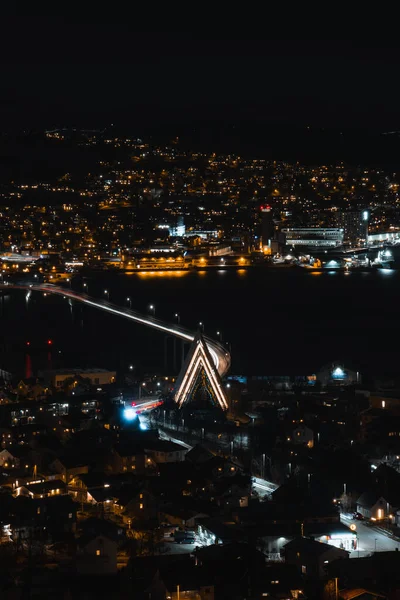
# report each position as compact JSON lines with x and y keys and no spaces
{"x":58,"y":71}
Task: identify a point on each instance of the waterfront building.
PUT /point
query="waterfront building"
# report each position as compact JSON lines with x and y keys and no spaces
{"x":57,"y":377}
{"x":316,"y":237}
{"x":355,"y":226}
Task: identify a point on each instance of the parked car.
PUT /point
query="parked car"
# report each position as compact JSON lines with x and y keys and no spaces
{"x":185,"y":537}
{"x":358,"y":516}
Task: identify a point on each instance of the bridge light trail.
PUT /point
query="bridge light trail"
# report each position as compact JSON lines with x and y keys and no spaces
{"x":219,"y":355}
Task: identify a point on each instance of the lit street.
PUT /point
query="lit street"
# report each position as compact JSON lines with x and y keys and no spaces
{"x":370,"y":539}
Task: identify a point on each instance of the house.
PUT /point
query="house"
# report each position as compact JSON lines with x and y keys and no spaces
{"x":233,"y":491}
{"x":59,"y":378}
{"x":10,"y":458}
{"x":41,"y":489}
{"x":132,"y":457}
{"x":181,"y":516}
{"x":303,"y":435}
{"x":165,"y":451}
{"x":198,"y":455}
{"x":96,"y":555}
{"x":69,"y":467}
{"x":371,"y":505}
{"x":6,"y":436}
{"x":135,"y":501}
{"x":53,"y":518}
{"x":188,"y":581}
{"x":278,"y":581}
{"x":311,"y":557}
{"x":360,"y":594}
{"x":378,"y":572}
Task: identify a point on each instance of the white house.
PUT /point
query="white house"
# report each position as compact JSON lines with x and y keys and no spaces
{"x":373,"y":506}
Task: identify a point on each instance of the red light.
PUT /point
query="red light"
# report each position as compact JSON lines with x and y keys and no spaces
{"x":28,"y":343}
{"x":133,"y":404}
{"x":49,"y":342}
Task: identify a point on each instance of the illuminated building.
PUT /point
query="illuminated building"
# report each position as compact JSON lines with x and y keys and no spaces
{"x":316,"y":237}
{"x":199,"y":371}
{"x":337,"y":374}
{"x":267,"y":226}
{"x":355,"y":225}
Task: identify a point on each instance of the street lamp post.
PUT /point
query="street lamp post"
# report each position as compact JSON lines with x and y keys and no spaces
{"x":219,"y":334}
{"x":152,"y":309}
{"x":86,"y":288}
{"x":129,"y":300}
{"x":201,"y":326}
{"x":107,"y":294}
{"x":178,"y":318}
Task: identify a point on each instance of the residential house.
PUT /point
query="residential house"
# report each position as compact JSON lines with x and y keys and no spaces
{"x":41,"y":489}
{"x":371,"y":505}
{"x":96,"y":555}
{"x":181,"y":516}
{"x":311,"y":557}
{"x":164,"y":451}
{"x":132,"y":457}
{"x":303,"y":435}
{"x":136,"y":502}
{"x":233,"y":491}
{"x":198,"y":455}
{"x":69,"y":467}
{"x":11,"y":457}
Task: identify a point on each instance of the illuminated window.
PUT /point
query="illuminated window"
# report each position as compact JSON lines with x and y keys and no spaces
{"x":380,"y":513}
{"x":98,"y":552}
{"x":141,"y":496}
{"x":303,"y":569}
{"x":383,"y":404}
{"x":141,"y":506}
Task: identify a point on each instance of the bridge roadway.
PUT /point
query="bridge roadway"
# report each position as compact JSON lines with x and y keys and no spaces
{"x":220,"y":356}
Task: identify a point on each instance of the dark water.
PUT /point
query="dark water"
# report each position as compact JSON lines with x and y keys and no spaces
{"x":277,"y":321}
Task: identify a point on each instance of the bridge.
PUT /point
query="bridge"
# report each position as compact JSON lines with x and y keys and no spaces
{"x":220,"y":356}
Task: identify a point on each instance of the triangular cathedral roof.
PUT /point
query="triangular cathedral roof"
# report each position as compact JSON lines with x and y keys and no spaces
{"x":199,"y":358}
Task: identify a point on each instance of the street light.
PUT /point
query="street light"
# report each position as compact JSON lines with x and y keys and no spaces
{"x":201,"y":325}
{"x":107,"y":293}
{"x":152,"y":308}
{"x":219,"y":334}
{"x":178,"y":318}
{"x":85,"y":285}
{"x":129,"y":300}
{"x":131,"y":367}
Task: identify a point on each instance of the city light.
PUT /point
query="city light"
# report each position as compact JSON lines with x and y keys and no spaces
{"x":130,"y":414}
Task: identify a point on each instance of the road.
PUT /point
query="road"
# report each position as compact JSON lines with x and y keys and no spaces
{"x":262,"y":486}
{"x":219,"y":353}
{"x":370,"y":539}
